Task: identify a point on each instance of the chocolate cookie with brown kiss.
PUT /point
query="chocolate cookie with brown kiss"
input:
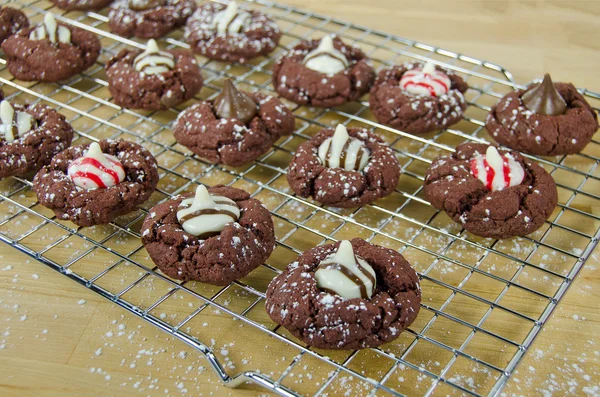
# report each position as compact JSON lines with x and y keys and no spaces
{"x":84,"y":204}
{"x":235,"y":128}
{"x":233,"y":235}
{"x":344,"y":318}
{"x":153,"y":79}
{"x":51,"y":51}
{"x":229,"y":33}
{"x":30,"y":135}
{"x":11,"y":21}
{"x":148,"y":19}
{"x":323,"y":168}
{"x":546,"y":119}
{"x":473,"y":192}
{"x":323,"y":73}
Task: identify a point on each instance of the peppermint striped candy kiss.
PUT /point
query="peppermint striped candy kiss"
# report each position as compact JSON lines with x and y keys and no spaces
{"x":96,"y":170}
{"x":495,"y":171}
{"x":426,"y":81}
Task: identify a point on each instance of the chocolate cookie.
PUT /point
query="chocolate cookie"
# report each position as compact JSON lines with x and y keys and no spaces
{"x":148,"y":19}
{"x":51,"y":51}
{"x":227,"y":33}
{"x":93,"y":184}
{"x":418,"y":98}
{"x":81,"y":5}
{"x":339,"y":178}
{"x":545,"y":119}
{"x":11,"y":21}
{"x":492,"y":193}
{"x":30,"y":135}
{"x":323,"y":73}
{"x":233,"y":235}
{"x":235,"y":128}
{"x":322,"y":318}
{"x":153,"y":79}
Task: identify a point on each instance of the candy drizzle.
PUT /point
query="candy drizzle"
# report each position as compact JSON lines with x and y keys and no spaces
{"x":351,"y":276}
{"x":208,"y":211}
{"x":491,"y":173}
{"x":344,"y":154}
{"x":94,"y":177}
{"x":343,"y":60}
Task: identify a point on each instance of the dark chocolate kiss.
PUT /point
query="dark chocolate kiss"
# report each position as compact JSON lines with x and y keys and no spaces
{"x":233,"y":104}
{"x":544,"y":98}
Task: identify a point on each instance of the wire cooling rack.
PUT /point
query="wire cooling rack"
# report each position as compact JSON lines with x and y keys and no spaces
{"x":484,"y":301}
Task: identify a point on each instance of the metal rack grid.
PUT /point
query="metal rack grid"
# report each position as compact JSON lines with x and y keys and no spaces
{"x":484,"y":300}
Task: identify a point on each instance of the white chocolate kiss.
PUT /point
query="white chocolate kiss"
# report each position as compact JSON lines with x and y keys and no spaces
{"x":205,"y":215}
{"x":346,"y":274}
{"x":231,"y":19}
{"x":11,"y":119}
{"x":427,"y":81}
{"x":50,"y":29}
{"x":495,"y":171}
{"x":96,"y":170}
{"x":153,"y":60}
{"x":325,"y":58}
{"x":342,"y":148}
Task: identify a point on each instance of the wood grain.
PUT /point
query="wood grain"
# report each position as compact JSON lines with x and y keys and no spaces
{"x":58,"y":339}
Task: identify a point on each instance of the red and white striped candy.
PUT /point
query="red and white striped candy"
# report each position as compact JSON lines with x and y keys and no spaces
{"x":426,"y":81}
{"x":96,"y":170}
{"x":495,"y":171}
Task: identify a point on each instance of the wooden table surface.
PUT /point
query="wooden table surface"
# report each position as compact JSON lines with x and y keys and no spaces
{"x":58,"y":339}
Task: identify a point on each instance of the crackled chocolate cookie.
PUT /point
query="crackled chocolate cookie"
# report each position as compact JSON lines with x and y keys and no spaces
{"x":323,"y":73}
{"x":30,"y":135}
{"x":347,"y":295}
{"x":51,"y":51}
{"x":148,"y":19}
{"x":492,"y":193}
{"x":93,"y":184}
{"x":216,"y":235}
{"x":346,"y":168}
{"x":81,"y":5}
{"x":11,"y":21}
{"x":235,"y":128}
{"x":153,"y":79}
{"x":228,"y":33}
{"x":418,"y":98}
{"x":545,"y":119}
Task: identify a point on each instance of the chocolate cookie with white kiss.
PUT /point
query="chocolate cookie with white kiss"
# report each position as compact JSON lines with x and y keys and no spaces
{"x":153,"y":79}
{"x":11,"y":21}
{"x":30,"y":135}
{"x":148,"y":19}
{"x":50,"y":51}
{"x":491,"y":192}
{"x":230,"y":33}
{"x":418,"y":98}
{"x":323,"y":73}
{"x":81,"y":5}
{"x":235,"y":128}
{"x":546,"y":119}
{"x":215,"y":235}
{"x":344,"y":168}
{"x":347,"y":295}
{"x":93,"y":184}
